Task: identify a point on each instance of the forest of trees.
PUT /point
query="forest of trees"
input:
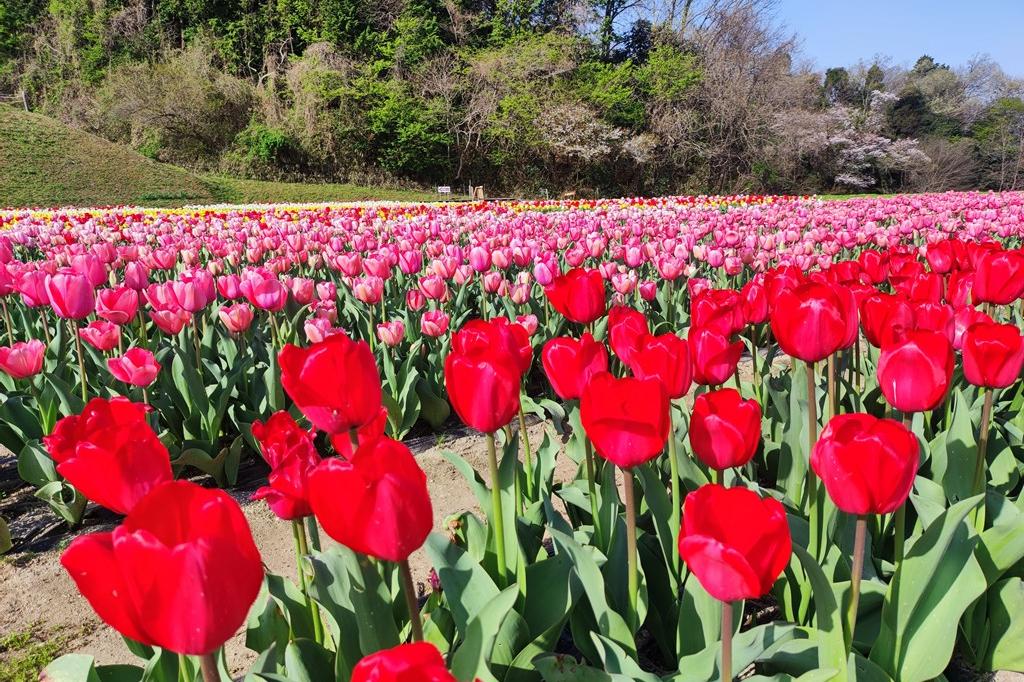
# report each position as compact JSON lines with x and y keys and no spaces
{"x":595,"y":96}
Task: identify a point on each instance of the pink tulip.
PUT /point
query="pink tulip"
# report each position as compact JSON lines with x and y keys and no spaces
{"x":170,"y":321}
{"x":71,"y":295}
{"x":117,"y":305}
{"x":137,"y":367}
{"x":434,"y":323}
{"x":391,"y":333}
{"x":236,"y":318}
{"x":101,"y":335}
{"x":23,"y":359}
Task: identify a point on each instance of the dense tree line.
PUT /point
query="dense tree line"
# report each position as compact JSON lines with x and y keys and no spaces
{"x":593,"y":96}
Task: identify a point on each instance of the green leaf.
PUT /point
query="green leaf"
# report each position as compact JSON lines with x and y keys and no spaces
{"x":610,"y":623}
{"x":467,"y":585}
{"x":953,"y":452}
{"x":828,"y":620}
{"x":307,"y":661}
{"x":64,"y":499}
{"x":938,"y":580}
{"x":561,"y":668}
{"x":748,"y":647}
{"x":35,"y":465}
{"x":470,"y":659}
{"x":5,"y":536}
{"x":1006,"y":618}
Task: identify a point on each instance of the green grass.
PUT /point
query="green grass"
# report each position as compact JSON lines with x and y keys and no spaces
{"x":24,"y":654}
{"x":238,"y":191}
{"x":45,"y":163}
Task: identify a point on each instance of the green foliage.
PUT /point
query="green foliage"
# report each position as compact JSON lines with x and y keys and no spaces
{"x":611,"y":88}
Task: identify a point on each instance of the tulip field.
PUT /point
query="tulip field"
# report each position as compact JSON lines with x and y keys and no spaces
{"x":795,"y":430}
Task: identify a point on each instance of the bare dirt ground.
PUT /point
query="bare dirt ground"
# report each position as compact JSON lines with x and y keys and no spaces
{"x":37,"y":595}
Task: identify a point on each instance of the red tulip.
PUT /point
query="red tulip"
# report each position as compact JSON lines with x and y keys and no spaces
{"x":416,"y":662}
{"x":23,"y":359}
{"x":482,"y":374}
{"x":117,"y":305}
{"x":914,"y":373}
{"x":813,"y":320}
{"x":725,"y":429}
{"x":335,"y":383}
{"x":71,"y":296}
{"x":110,"y":453}
{"x":626,"y":419}
{"x":570,"y":363}
{"x":626,"y":327}
{"x":578,"y":295}
{"x":940,"y":256}
{"x":885,"y":318}
{"x":736,"y":543}
{"x":714,"y":357}
{"x":754,"y":302}
{"x":292,"y":456}
{"x":963,"y":320}
{"x":180,"y":572}
{"x":718,"y":310}
{"x":101,"y":335}
{"x":993,"y":354}
{"x":874,"y":266}
{"x":934,"y":317}
{"x":366,"y":433}
{"x":999,"y":277}
{"x":137,"y":367}
{"x":375,"y":503}
{"x":867,"y":464}
{"x":665,"y":358}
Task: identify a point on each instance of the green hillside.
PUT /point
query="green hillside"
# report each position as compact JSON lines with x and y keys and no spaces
{"x":46,"y":163}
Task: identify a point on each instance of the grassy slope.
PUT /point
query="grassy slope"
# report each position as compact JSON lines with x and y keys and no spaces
{"x":45,"y":163}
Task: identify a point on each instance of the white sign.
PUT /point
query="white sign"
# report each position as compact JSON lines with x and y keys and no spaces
{"x":444,"y":189}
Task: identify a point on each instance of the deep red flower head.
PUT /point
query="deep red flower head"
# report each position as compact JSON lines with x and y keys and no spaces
{"x":335,"y":383}
{"x":914,"y":373}
{"x":578,"y":295}
{"x":867,"y":464}
{"x":570,"y":363}
{"x":874,"y":266}
{"x":725,"y":429}
{"x":375,"y":503}
{"x":754,"y":302}
{"x":885,"y":318}
{"x":416,"y":662}
{"x":934,"y":317}
{"x":292,"y":455}
{"x":665,"y":358}
{"x":626,"y":419}
{"x":626,"y":326}
{"x":713,"y":356}
{"x":718,"y":310}
{"x":993,"y":354}
{"x":180,"y":572}
{"x":366,"y":433}
{"x":940,"y":256}
{"x":814,"y":320}
{"x":110,"y":453}
{"x":999,"y":277}
{"x":482,"y":375}
{"x":736,"y":543}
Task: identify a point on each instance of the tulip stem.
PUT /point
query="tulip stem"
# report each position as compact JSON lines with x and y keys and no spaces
{"x":301,"y":550}
{"x":753,"y":361}
{"x":208,"y":663}
{"x":726,"y":642}
{"x":46,"y":329}
{"x":496,"y":512}
{"x":833,"y":404}
{"x":899,"y":533}
{"x":81,"y":363}
{"x":978,"y":486}
{"x":631,"y":568}
{"x":859,"y":536}
{"x":527,"y":453}
{"x":410,"y":601}
{"x":183,"y":667}
{"x":7,"y":322}
{"x":979,"y":466}
{"x":812,"y":439}
{"x":673,"y":465}
{"x":314,"y":533}
{"x":591,"y":486}
{"x":142,"y":330}
{"x":198,"y":339}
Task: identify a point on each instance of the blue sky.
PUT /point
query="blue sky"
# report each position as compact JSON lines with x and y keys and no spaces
{"x":839,"y":32}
